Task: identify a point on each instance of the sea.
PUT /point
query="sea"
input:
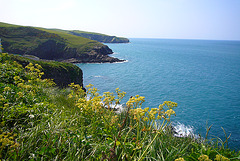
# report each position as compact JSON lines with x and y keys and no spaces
{"x":202,"y":76}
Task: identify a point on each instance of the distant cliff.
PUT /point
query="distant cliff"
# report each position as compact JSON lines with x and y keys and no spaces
{"x":100,"y":37}
{"x":53,"y":45}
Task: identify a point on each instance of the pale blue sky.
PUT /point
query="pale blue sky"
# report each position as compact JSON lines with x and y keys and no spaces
{"x":181,"y":19}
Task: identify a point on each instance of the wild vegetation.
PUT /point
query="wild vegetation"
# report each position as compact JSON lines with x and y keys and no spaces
{"x":62,"y":73}
{"x":42,"y":122}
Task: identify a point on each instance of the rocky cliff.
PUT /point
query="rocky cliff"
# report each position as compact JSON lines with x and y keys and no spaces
{"x":53,"y":50}
{"x":53,"y":45}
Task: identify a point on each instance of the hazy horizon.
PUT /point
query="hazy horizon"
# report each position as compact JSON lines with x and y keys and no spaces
{"x":161,"y":19}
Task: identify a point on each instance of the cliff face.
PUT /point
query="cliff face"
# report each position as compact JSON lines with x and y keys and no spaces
{"x":53,"y":50}
{"x":53,"y":45}
{"x":64,"y":75}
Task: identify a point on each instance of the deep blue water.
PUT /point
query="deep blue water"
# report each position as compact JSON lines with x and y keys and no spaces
{"x":202,"y":76}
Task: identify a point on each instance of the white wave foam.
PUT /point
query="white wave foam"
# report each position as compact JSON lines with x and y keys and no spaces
{"x":125,"y":61}
{"x":182,"y":130}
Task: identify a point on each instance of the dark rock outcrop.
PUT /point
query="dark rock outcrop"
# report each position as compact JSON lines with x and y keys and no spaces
{"x":53,"y":50}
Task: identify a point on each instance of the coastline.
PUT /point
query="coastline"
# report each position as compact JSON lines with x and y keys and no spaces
{"x":94,"y":61}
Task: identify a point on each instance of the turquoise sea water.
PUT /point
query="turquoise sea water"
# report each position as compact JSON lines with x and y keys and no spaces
{"x":202,"y":76}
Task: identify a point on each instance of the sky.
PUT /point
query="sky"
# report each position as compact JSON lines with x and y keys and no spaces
{"x":171,"y":19}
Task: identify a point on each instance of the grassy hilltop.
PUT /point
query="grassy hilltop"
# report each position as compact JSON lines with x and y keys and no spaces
{"x":103,"y":38}
{"x":52,"y":44}
{"x":99,"y":37}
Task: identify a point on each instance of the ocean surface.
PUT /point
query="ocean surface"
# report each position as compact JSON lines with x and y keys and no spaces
{"x":202,"y":76}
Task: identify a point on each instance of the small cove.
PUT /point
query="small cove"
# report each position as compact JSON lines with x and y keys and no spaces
{"x":202,"y":76}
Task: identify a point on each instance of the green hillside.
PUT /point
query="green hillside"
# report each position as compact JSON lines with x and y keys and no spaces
{"x":103,"y":38}
{"x":52,"y":44}
{"x":72,"y":40}
{"x":99,"y":37}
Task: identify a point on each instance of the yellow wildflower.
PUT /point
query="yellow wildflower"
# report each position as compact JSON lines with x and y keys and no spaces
{"x":161,"y":107}
{"x":89,"y":86}
{"x":204,"y":158}
{"x":221,"y":158}
{"x":169,"y":112}
{"x":146,"y":109}
{"x":2,"y":98}
{"x":70,"y":96}
{"x":38,"y":66}
{"x":21,"y":85}
{"x":152,"y":113}
{"x":114,"y":119}
{"x":145,"y":119}
{"x":180,"y":159}
{"x":27,"y":87}
{"x":20,"y":94}
{"x":16,"y":78}
{"x":7,"y":89}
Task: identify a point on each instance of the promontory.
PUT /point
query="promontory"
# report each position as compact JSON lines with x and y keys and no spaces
{"x":60,"y":45}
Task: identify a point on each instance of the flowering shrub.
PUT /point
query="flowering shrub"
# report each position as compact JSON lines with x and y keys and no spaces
{"x":22,"y":99}
{"x":21,"y":92}
{"x":98,"y":113}
{"x":39,"y":122}
{"x":8,"y":143}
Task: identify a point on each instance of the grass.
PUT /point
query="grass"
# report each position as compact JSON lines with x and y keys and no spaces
{"x":94,"y":36}
{"x":2,"y":24}
{"x":22,"y":39}
{"x":99,"y":37}
{"x":42,"y":122}
{"x":72,"y":40}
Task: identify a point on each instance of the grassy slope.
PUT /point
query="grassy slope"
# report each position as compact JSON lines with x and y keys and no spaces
{"x":94,"y":36}
{"x":72,"y":40}
{"x":2,"y":24}
{"x":92,"y":33}
{"x":28,"y":38}
{"x":100,"y":37}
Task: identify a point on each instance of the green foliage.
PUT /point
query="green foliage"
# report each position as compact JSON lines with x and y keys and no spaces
{"x":53,"y":70}
{"x":42,"y":122}
{"x":22,"y":96}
